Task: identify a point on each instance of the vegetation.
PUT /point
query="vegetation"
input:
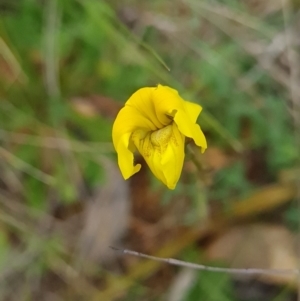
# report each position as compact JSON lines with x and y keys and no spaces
{"x":66,"y":68}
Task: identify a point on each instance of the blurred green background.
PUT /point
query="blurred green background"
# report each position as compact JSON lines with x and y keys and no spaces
{"x":66,"y":68}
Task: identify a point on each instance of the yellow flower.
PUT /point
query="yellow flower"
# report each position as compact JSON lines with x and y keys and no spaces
{"x":155,"y":121}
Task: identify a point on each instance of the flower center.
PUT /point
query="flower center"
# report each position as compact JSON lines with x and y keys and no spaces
{"x":149,"y":142}
{"x":161,"y":136}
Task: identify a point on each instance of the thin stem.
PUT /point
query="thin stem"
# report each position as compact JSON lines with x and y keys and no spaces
{"x":172,"y":261}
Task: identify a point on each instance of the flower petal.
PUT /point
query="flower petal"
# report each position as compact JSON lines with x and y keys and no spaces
{"x":166,"y":101}
{"x":173,"y":158}
{"x":128,"y":120}
{"x":163,"y":151}
{"x":193,"y":110}
{"x":142,"y":102}
{"x":190,"y":129}
{"x":125,"y":157}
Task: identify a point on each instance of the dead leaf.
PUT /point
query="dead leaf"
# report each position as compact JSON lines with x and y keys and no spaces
{"x":261,"y":246}
{"x":106,"y":217}
{"x":270,"y":197}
